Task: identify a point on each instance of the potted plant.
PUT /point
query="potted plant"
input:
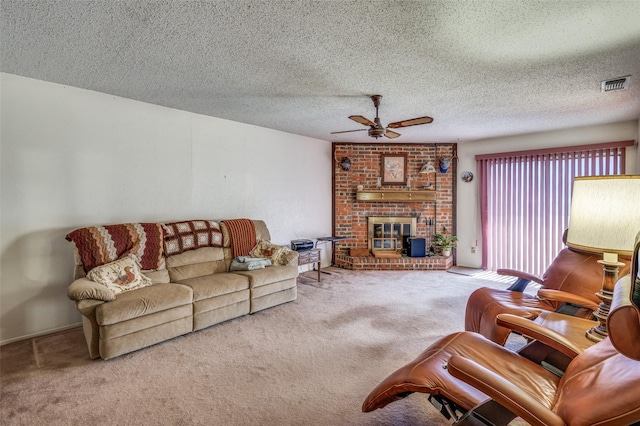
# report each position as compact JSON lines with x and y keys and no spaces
{"x":445,"y":242}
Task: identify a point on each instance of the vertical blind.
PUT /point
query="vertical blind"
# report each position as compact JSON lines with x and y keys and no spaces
{"x":525,"y":198}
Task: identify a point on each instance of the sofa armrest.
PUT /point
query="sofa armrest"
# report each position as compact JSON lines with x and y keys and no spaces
{"x":290,"y":258}
{"x":564,"y":297}
{"x":502,"y":391}
{"x":540,"y":333}
{"x":84,"y":288}
{"x":87,"y":307}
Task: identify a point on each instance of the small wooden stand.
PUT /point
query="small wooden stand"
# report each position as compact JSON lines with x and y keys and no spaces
{"x":306,"y":257}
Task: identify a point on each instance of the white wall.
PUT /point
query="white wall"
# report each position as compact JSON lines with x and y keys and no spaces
{"x":72,"y":158}
{"x":468,"y":227}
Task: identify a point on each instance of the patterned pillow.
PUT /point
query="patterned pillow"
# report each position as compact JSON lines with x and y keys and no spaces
{"x":267,"y":250}
{"x":121,"y":275}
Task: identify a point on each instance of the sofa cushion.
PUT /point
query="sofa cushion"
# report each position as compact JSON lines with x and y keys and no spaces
{"x":145,"y":322}
{"x":196,"y":263}
{"x":269,"y":275}
{"x":120,"y":276}
{"x":158,"y":276}
{"x":276,"y":287}
{"x":143,"y":301}
{"x":214,"y":285}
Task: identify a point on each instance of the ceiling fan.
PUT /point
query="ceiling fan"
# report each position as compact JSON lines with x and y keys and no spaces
{"x":377,"y":130}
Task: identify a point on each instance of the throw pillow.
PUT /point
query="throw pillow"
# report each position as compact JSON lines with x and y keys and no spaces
{"x":121,"y":275}
{"x":267,"y":250}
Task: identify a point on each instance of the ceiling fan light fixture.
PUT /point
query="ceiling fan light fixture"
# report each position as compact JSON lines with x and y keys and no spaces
{"x":377,"y":130}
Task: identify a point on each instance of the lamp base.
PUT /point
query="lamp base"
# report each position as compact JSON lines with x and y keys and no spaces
{"x":609,"y":279}
{"x":599,"y":332}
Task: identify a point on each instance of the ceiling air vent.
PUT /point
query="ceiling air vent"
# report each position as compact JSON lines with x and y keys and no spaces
{"x":619,"y":83}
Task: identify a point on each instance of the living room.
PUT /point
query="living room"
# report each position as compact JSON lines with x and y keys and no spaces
{"x":74,"y":157}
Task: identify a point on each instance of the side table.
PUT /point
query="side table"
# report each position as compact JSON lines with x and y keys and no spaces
{"x":308,"y":256}
{"x":331,"y":240}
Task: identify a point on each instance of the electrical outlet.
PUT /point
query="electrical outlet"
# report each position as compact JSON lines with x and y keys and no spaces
{"x":473,"y":249}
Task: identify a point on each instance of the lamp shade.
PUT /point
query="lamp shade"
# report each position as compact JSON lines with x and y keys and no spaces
{"x":605,"y":214}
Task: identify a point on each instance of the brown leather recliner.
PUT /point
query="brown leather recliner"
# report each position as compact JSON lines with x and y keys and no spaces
{"x":569,"y":285}
{"x":472,"y":375}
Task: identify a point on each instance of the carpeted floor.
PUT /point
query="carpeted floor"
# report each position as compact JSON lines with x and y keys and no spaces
{"x":308,"y":362}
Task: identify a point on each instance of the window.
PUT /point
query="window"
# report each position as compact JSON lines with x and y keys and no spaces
{"x":525,"y":198}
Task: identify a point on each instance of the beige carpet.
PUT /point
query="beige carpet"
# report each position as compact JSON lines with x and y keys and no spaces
{"x":308,"y":362}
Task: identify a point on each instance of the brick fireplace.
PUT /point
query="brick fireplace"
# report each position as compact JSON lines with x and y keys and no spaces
{"x":425,"y":200}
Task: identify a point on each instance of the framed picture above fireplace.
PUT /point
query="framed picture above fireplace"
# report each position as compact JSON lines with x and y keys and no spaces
{"x":394,"y":169}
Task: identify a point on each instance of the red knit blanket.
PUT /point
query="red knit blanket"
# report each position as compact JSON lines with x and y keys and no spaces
{"x":242,"y":236}
{"x":98,"y":245}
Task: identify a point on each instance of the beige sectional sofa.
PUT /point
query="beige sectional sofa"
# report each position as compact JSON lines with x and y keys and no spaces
{"x":189,"y":291}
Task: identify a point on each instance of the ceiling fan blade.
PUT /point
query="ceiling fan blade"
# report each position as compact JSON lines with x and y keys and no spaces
{"x":349,"y":131}
{"x":391,"y":134}
{"x":412,"y":122}
{"x":362,"y":120}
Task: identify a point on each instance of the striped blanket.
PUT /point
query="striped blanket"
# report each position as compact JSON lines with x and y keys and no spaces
{"x":242,"y":236}
{"x":98,"y":245}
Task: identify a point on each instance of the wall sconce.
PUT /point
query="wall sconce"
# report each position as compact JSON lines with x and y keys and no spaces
{"x":428,"y":168}
{"x":445,"y":163}
{"x":345,"y":162}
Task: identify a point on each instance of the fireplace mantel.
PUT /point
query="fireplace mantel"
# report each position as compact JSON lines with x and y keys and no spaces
{"x":391,"y":195}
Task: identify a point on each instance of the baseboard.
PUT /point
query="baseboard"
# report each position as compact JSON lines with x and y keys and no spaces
{"x":42,"y":333}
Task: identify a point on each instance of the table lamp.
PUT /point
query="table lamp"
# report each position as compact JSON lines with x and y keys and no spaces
{"x":605,"y":218}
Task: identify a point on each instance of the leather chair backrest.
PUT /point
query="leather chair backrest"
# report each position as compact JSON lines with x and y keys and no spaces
{"x":623,"y":323}
{"x":600,"y":386}
{"x":578,"y":273}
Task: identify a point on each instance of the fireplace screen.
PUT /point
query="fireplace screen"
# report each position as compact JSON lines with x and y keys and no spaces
{"x":388,"y":233}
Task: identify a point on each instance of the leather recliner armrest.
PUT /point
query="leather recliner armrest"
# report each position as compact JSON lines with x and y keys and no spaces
{"x":503,"y":392}
{"x":540,"y":333}
{"x":523,"y":279}
{"x":520,"y":274}
{"x":563,"y":296}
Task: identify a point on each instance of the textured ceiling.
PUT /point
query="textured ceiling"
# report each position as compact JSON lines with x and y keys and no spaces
{"x":479,"y":68}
